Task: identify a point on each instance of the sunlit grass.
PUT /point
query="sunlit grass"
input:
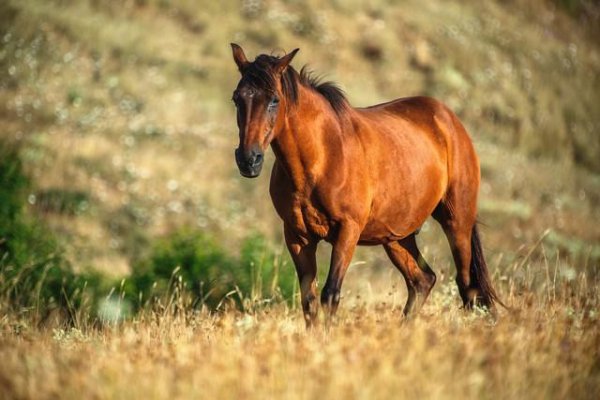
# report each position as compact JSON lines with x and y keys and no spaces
{"x":545,"y":347}
{"x":123,"y":115}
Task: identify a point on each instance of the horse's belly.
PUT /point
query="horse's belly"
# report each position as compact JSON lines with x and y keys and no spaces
{"x":379,"y":232}
{"x":401,"y":209}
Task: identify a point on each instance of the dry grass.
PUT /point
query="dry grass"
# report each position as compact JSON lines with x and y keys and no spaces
{"x":548,"y":347}
{"x":129,"y":103}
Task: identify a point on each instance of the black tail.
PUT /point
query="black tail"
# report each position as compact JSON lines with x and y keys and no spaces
{"x":480,"y":274}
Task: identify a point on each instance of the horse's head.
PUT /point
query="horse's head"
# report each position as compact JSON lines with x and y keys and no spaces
{"x":260,"y":100}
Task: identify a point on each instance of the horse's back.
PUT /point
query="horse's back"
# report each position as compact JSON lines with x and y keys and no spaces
{"x":409,"y":107}
{"x":431,"y":120}
{"x":407,"y":134}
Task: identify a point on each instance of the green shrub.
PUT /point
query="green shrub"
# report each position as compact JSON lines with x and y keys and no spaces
{"x":13,"y":185}
{"x":34,"y":276}
{"x":269,"y":274}
{"x":191,"y":263}
{"x":201,"y":265}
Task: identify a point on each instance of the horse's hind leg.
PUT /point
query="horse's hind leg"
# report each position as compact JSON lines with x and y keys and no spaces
{"x":458,"y":219}
{"x":418,"y":275}
{"x":457,"y":226}
{"x":457,"y":214}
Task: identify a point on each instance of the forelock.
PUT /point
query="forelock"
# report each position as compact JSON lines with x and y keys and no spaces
{"x":260,"y":74}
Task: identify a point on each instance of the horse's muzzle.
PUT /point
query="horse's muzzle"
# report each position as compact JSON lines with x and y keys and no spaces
{"x":250,"y":164}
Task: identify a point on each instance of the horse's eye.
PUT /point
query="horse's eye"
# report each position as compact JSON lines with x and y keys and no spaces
{"x":274,"y":102}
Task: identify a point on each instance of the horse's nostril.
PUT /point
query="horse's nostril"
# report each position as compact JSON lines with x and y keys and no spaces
{"x":255,"y":159}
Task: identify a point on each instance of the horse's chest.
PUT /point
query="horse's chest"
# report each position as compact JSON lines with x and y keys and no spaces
{"x":300,"y":210}
{"x":306,"y":219}
{"x":313,"y":220}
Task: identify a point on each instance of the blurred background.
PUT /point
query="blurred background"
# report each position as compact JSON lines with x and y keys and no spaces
{"x":117,"y":134}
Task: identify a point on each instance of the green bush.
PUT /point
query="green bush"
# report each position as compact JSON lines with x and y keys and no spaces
{"x":33,"y":272}
{"x":187,"y":257}
{"x":191,"y":263}
{"x":268,"y":274}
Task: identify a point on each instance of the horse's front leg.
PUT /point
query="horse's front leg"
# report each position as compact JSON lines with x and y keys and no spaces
{"x":303,"y":252}
{"x":341,"y":255}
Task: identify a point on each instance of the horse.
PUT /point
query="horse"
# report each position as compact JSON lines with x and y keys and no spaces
{"x":360,"y":176}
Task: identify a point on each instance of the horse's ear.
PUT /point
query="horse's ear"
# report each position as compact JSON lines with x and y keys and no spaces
{"x":239,"y":57}
{"x":284,"y":61}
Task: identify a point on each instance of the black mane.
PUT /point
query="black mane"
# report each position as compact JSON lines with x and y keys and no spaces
{"x":330,"y":90}
{"x":261,"y":74}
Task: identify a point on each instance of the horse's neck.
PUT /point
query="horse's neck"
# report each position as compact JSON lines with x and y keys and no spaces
{"x":300,"y":145}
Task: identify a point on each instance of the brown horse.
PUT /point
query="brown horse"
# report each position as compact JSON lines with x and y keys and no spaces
{"x":360,"y":176}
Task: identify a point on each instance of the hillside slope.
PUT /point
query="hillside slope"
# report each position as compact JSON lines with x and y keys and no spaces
{"x":123,"y":110}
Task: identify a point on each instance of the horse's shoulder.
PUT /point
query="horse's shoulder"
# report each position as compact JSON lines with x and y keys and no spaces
{"x":279,"y":179}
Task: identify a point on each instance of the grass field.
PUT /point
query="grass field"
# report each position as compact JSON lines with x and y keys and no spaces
{"x":547,"y":348}
{"x":124,"y":179}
